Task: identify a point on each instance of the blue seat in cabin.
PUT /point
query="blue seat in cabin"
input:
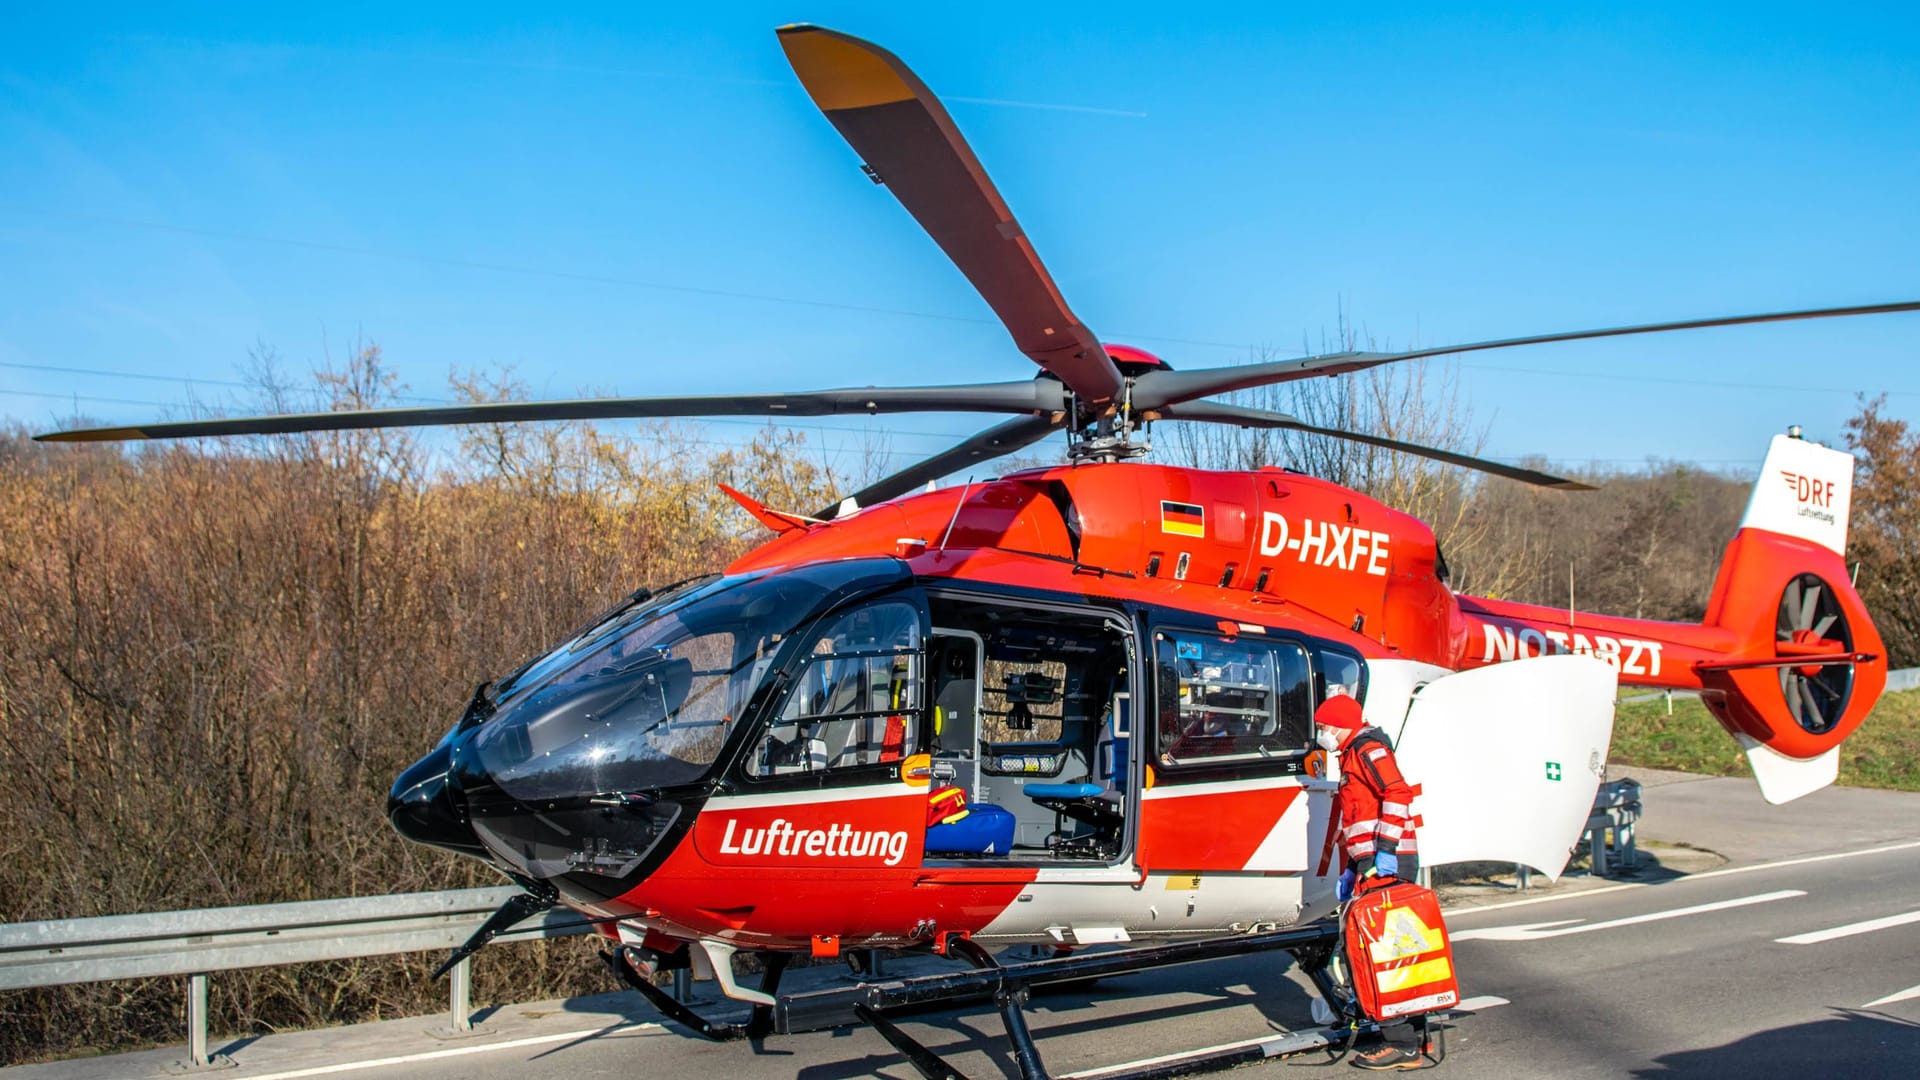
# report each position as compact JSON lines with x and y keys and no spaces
{"x":1100,"y":800}
{"x":986,"y":830}
{"x":1111,"y":750}
{"x":1037,"y":792}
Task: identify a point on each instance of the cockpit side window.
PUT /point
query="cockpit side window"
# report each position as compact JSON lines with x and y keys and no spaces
{"x":855,"y":698}
{"x":1336,"y":672}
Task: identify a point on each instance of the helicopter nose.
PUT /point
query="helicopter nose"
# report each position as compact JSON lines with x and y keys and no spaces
{"x":421,"y":806}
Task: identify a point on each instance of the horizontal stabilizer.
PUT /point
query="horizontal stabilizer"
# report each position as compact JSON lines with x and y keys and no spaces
{"x":1783,"y":779}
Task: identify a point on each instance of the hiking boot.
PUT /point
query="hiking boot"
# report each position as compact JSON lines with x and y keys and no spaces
{"x":1386,"y":1055}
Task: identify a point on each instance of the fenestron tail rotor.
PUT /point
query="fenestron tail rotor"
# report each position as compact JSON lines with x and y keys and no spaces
{"x":1811,"y":621}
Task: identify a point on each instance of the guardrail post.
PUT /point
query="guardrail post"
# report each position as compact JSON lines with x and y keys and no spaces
{"x":197,"y":1056}
{"x":197,"y":1022}
{"x":460,"y":993}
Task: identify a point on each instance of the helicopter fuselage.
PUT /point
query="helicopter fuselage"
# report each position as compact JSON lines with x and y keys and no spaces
{"x":1117,"y":664}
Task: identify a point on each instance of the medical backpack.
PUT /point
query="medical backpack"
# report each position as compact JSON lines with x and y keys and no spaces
{"x":1396,"y":948}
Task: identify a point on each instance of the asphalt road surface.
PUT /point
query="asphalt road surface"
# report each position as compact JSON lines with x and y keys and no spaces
{"x":1803,"y":967}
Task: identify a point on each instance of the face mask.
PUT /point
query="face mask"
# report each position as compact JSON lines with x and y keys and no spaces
{"x":1328,"y":738}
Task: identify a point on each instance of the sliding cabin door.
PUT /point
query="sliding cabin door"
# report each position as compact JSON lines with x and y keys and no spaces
{"x":1224,"y":786}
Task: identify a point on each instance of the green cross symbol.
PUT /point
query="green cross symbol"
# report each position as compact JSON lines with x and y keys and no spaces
{"x":1553,"y":770}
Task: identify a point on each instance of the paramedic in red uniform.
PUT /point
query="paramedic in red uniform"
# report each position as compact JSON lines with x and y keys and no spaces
{"x":1374,"y":815}
{"x":1375,"y":803}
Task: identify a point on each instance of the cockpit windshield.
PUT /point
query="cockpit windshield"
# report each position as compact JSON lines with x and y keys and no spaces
{"x":648,"y":698}
{"x":640,"y":605}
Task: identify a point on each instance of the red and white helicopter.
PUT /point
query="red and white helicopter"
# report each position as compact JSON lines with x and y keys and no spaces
{"x":1116,"y":662}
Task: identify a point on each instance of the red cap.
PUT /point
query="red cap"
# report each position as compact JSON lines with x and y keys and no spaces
{"x":1339,"y":711}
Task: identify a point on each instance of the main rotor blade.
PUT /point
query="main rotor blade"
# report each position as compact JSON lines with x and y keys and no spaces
{"x":1037,"y":395}
{"x":910,"y":144}
{"x":996,"y":441}
{"x":1158,"y":388}
{"x":1222,"y":413}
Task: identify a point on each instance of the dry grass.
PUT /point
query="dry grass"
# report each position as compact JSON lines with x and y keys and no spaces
{"x":214,"y":660}
{"x":1883,"y":753}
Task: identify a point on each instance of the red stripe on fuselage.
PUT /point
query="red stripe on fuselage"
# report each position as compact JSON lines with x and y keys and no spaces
{"x":1218,"y":831}
{"x":718,"y":884}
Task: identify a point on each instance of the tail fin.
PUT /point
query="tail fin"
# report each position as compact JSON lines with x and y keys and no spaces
{"x":1808,"y":664}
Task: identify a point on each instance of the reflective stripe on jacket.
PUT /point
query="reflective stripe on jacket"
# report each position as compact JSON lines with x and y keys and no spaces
{"x":1375,"y":801}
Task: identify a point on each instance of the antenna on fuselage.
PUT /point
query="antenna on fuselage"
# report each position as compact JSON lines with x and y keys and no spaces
{"x":956,"y":512}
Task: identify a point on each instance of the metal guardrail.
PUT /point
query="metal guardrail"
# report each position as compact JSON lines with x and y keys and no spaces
{"x":200,"y":941}
{"x":1899,"y":680}
{"x":1616,"y":810}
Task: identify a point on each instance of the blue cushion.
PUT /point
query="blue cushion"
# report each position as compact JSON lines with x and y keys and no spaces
{"x":1063,"y":791}
{"x":986,"y":830}
{"x":1113,"y":762}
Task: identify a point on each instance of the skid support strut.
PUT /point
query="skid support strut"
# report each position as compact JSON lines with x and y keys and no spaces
{"x":625,"y":960}
{"x":1008,"y":996}
{"x":1009,"y":985}
{"x":1318,"y":963}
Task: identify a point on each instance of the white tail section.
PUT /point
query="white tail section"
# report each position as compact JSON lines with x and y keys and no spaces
{"x":1803,"y":490}
{"x":1783,"y":779}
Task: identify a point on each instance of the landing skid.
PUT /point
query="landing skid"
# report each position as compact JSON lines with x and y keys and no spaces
{"x":758,"y":1026}
{"x":1008,"y":986}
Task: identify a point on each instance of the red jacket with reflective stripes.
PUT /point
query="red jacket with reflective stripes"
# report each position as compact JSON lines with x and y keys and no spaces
{"x":1375,"y":801}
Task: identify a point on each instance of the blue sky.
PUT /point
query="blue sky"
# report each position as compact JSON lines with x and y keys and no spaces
{"x":478,"y":187}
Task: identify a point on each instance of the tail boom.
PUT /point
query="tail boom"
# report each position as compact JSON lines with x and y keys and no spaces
{"x":1646,"y":652}
{"x":1787,"y":658}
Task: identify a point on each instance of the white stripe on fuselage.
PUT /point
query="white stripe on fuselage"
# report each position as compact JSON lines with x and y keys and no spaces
{"x":812,"y":796}
{"x":1221,"y":787}
{"x":1162,"y":904}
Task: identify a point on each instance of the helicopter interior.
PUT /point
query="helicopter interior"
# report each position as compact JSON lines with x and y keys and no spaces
{"x":1031,"y":716}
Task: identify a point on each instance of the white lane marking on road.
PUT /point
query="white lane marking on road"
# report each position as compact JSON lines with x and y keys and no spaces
{"x":1540,"y":931}
{"x":1908,"y":994}
{"x":1133,"y":1066}
{"x":1817,"y":936}
{"x":1472,"y":1004}
{"x":1475,"y":910}
{"x":457,"y":1051}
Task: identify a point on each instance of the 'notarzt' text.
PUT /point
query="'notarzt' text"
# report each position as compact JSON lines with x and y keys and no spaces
{"x":1628,"y":656}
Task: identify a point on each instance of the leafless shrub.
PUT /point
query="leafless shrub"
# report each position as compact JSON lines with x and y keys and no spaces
{"x":1886,"y":526}
{"x":215,"y":657}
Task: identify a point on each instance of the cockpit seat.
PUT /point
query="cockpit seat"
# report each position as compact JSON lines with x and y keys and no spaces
{"x":986,"y":830}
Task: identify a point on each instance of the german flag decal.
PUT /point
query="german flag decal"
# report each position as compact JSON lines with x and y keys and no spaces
{"x":1182,"y":519}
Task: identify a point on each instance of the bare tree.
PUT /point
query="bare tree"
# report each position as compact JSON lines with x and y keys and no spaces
{"x":1416,"y":402}
{"x":1886,"y":526}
